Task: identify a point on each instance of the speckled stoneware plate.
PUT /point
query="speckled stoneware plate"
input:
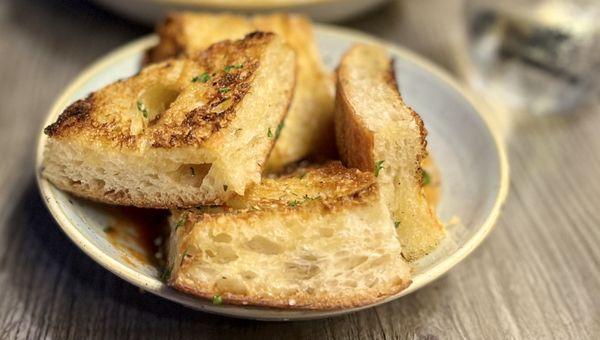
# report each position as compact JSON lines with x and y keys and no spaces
{"x":470,"y":157}
{"x":149,"y":11}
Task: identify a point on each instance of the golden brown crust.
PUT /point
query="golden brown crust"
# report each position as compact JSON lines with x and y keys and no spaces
{"x":355,"y":142}
{"x":73,"y":115}
{"x":231,"y":67}
{"x":391,"y":80}
{"x":300,"y":301}
{"x":330,"y":185}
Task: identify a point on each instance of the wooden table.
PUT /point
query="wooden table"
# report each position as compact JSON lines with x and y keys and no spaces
{"x":537,"y":276}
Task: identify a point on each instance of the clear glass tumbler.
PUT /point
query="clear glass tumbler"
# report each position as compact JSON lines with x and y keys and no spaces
{"x":539,"y":56}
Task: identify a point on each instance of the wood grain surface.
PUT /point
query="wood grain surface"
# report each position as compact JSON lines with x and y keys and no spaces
{"x":537,"y":275}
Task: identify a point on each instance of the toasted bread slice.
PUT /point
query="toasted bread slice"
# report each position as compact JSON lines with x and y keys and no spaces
{"x":376,"y":131}
{"x":308,"y":126}
{"x":318,"y":238}
{"x":180,"y":133}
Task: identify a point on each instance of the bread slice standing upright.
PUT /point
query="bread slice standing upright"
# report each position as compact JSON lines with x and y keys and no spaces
{"x":318,"y":238}
{"x":377,"y":132}
{"x":308,"y":127}
{"x":180,"y":133}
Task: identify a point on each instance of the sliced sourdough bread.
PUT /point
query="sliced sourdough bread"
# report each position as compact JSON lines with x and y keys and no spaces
{"x":317,"y":238}
{"x":308,"y":128}
{"x":377,"y":132}
{"x":180,"y":133}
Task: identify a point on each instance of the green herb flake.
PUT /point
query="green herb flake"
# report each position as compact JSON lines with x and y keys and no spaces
{"x":181,"y":222}
{"x":426,"y":177}
{"x":293,"y":203}
{"x":224,"y":89}
{"x":278,"y":131}
{"x":378,"y":167}
{"x":308,"y":198}
{"x":203,"y":78}
{"x":269,"y":133}
{"x":217,"y":300}
{"x":166,"y":274}
{"x":225,"y":187}
{"x":228,"y":68}
{"x":142,"y":108}
{"x":396,"y":224}
{"x":184,"y":256}
{"x":108,"y":229}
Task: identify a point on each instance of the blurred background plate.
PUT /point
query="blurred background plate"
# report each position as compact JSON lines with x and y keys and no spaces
{"x":471,"y":159}
{"x":150,"y":11}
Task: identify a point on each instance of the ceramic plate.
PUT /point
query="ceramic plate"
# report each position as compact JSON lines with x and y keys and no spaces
{"x":150,"y":11}
{"x":470,"y":157}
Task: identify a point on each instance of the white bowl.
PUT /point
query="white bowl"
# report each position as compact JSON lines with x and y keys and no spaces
{"x":470,"y":156}
{"x":150,"y":11}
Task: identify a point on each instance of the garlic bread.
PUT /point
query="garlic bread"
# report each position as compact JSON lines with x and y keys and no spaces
{"x":318,"y":238}
{"x":308,"y":127}
{"x":376,"y":131}
{"x":183,"y":132}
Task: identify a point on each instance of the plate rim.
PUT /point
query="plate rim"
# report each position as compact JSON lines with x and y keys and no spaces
{"x":159,"y":288}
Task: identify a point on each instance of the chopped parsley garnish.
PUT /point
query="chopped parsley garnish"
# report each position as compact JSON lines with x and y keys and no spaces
{"x":185,"y":254}
{"x":225,"y":187}
{"x":228,"y":68}
{"x":278,"y":131}
{"x":426,"y":177}
{"x":378,"y":167}
{"x":217,"y":300}
{"x":166,"y":274}
{"x":224,"y":89}
{"x":142,"y":108}
{"x":396,"y":224}
{"x":203,"y":78}
{"x":109,"y":229}
{"x":193,"y":171}
{"x":308,"y":198}
{"x":181,"y":222}
{"x":269,"y":133}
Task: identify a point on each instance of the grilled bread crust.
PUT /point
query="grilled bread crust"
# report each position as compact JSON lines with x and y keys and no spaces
{"x":376,"y":131}
{"x":318,"y":238}
{"x":182,"y":132}
{"x":308,"y":128}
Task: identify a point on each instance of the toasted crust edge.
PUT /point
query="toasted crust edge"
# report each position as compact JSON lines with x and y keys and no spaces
{"x":73,"y":115}
{"x":305,"y":301}
{"x":122,"y":201}
{"x":357,"y":140}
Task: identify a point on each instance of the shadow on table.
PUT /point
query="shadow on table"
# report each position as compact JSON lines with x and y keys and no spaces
{"x":76,"y":30}
{"x":64,"y":292}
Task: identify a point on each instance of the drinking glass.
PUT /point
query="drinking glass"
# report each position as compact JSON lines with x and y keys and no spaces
{"x":537,"y":56}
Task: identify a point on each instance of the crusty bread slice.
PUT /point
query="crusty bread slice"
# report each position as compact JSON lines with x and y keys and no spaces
{"x":308,"y":127}
{"x":180,"y":133}
{"x":318,"y":238}
{"x":376,"y":131}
